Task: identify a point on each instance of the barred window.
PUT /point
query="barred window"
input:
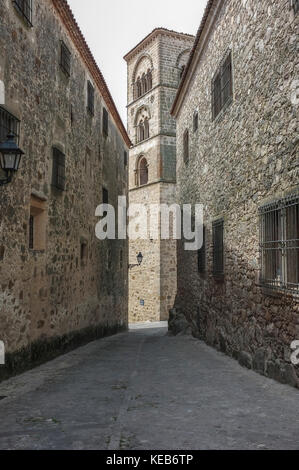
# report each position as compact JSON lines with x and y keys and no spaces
{"x":279,"y":244}
{"x":65,"y":59}
{"x":218,"y":251}
{"x":58,"y":175}
{"x":202,"y":254}
{"x":222,"y":86}
{"x":105,"y":122}
{"x":24,"y":7}
{"x":195,"y":121}
{"x":90,"y":98}
{"x":186,"y":146}
{"x":8,"y":124}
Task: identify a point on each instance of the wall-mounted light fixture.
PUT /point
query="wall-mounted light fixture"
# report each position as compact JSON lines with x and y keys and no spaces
{"x":10,"y":157}
{"x":139,"y":261}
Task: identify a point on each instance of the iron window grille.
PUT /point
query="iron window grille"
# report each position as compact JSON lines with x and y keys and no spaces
{"x":195,"y":121}
{"x":218,"y":248}
{"x":24,"y":8}
{"x":202,"y":254}
{"x":58,"y":175}
{"x":105,"y":122}
{"x":90,"y":98}
{"x":279,"y":244}
{"x":65,"y":59}
{"x":8,"y":124}
{"x":222,"y":86}
{"x":186,"y":146}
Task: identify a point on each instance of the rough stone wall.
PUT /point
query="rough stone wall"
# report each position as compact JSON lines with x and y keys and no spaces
{"x":51,"y":295}
{"x":152,"y":287}
{"x":246,"y":157}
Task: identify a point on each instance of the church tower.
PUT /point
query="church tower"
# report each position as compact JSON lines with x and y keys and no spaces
{"x":155,"y":67}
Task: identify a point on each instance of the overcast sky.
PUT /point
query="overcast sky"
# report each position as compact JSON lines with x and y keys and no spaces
{"x":113,"y":27}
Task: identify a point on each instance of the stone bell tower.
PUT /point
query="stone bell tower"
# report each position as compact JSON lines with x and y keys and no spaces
{"x":155,"y":67}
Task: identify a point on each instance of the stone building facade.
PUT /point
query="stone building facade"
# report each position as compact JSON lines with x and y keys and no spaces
{"x":60,"y":286}
{"x":237,"y":142}
{"x":155,"y":67}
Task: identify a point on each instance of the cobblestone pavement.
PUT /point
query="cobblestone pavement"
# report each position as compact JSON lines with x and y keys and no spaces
{"x":146,"y":390}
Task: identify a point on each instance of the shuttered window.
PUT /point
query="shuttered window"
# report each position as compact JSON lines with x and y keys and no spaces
{"x":90,"y":98}
{"x":105,"y":122}
{"x":65,"y":59}
{"x":24,"y":7}
{"x":222,"y":86}
{"x":218,"y":252}
{"x":58,"y":174}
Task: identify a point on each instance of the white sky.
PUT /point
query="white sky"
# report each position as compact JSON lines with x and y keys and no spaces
{"x":113,"y":27}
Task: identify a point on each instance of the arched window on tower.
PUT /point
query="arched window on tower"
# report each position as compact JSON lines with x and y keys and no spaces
{"x":139,"y":87}
{"x":149,"y":80}
{"x":146,"y":128}
{"x":140,"y":132}
{"x":143,"y":171}
{"x":144,"y":84}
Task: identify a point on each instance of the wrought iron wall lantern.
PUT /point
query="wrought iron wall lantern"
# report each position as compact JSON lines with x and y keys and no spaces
{"x":139,"y":261}
{"x":10,"y":157}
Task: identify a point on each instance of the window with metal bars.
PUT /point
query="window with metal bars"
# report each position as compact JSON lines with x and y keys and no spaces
{"x":8,"y":124}
{"x":222,"y":86}
{"x":65,"y":59}
{"x":218,"y":248}
{"x":202,"y":254}
{"x":58,"y":174}
{"x":24,"y":8}
{"x":105,"y":122}
{"x":279,"y":244}
{"x":186,"y":146}
{"x":90,"y":98}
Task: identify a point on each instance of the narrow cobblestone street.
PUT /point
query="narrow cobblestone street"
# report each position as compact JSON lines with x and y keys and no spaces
{"x":146,"y":390}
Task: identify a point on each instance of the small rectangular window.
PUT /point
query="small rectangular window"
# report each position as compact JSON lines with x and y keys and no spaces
{"x":83,"y":252}
{"x":37,"y":224}
{"x":125,"y":158}
{"x":186,"y":146}
{"x":65,"y":59}
{"x":58,"y":174}
{"x":8,"y":123}
{"x":24,"y":8}
{"x":202,"y":254}
{"x":195,"y":121}
{"x":218,"y":251}
{"x":222,"y":86}
{"x":105,"y":196}
{"x":90,"y":98}
{"x":105,"y":122}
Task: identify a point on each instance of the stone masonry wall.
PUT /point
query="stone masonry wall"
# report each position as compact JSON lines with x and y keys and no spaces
{"x":244,"y":158}
{"x":59,"y":296}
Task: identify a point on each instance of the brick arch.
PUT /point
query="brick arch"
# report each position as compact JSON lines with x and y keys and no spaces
{"x":139,"y":60}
